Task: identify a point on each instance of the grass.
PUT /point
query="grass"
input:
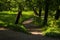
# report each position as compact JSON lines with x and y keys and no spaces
{"x":7,"y":19}
{"x":52,"y":29}
{"x":10,"y":17}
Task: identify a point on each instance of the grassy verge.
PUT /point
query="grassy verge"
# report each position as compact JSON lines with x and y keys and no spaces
{"x":52,"y":29}
{"x":7,"y":19}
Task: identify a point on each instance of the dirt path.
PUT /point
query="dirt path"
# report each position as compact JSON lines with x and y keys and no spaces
{"x":31,"y":27}
{"x":6,"y":34}
{"x":35,"y":31}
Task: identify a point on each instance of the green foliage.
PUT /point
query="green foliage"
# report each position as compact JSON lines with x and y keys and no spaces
{"x":28,"y":4}
{"x":19,"y":28}
{"x":7,"y":19}
{"x":37,"y":21}
{"x":53,"y":34}
{"x":52,"y":30}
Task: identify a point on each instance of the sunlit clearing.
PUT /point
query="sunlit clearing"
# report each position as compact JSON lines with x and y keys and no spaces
{"x":28,"y":13}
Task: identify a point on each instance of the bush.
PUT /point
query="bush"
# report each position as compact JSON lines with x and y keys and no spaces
{"x":19,"y":28}
{"x":53,"y":34}
{"x":52,"y":30}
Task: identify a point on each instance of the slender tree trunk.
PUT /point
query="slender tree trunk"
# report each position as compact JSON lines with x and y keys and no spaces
{"x":57,"y":14}
{"x":46,"y":13}
{"x":40,"y":10}
{"x":35,"y":12}
{"x":18,"y":17}
{"x":20,"y":6}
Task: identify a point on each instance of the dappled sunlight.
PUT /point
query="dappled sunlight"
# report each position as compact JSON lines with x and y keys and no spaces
{"x":2,"y":28}
{"x":28,"y":13}
{"x":25,"y":18}
{"x":28,"y":21}
{"x":36,"y":33}
{"x":6,"y":18}
{"x":8,"y":12}
{"x":2,"y":22}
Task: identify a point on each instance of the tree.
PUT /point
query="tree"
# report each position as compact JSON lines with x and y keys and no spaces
{"x":3,"y":5}
{"x":20,"y":8}
{"x":39,"y":4}
{"x":19,"y":14}
{"x":34,"y":5}
{"x":6,"y":5}
{"x":57,"y":14}
{"x":46,"y":12}
{"x":58,"y":10}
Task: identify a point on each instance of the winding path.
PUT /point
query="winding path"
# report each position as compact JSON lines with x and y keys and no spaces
{"x":7,"y":34}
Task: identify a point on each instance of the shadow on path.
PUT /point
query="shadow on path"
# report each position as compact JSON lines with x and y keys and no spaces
{"x":7,"y":34}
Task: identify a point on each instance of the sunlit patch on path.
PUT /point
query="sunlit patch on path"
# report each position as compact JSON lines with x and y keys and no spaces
{"x":31,"y":29}
{"x":35,"y":31}
{"x":2,"y":28}
{"x":28,"y":21}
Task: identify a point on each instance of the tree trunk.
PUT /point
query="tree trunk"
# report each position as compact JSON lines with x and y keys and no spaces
{"x":57,"y":14}
{"x":35,"y":12}
{"x":46,"y":13}
{"x":20,"y":6}
{"x":40,"y":10}
{"x":18,"y":16}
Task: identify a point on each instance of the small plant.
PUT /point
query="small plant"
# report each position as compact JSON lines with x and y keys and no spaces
{"x":19,"y":28}
{"x":53,"y":34}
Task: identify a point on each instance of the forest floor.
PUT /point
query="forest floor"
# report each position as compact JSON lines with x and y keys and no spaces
{"x":7,"y":34}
